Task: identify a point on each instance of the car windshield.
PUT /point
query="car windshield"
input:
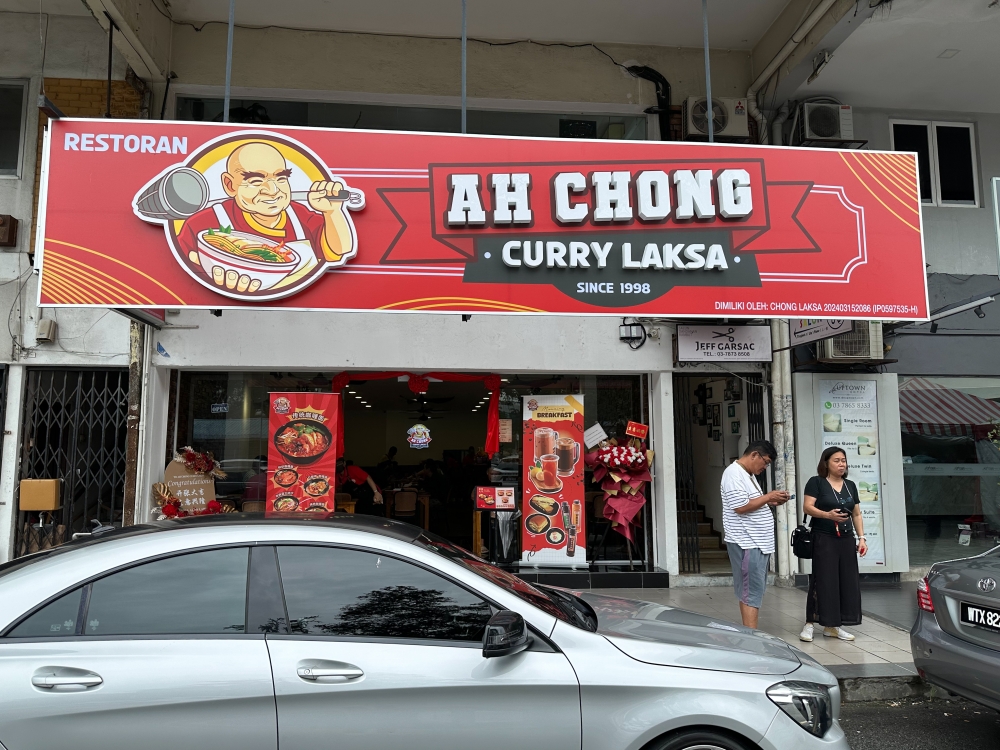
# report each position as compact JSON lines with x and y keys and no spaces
{"x":560,"y":604}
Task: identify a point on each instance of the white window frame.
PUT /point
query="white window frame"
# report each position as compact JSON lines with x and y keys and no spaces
{"x":25,"y":85}
{"x":932,"y":126}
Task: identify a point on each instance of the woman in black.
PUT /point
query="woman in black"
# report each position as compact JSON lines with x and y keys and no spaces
{"x":834,"y":586}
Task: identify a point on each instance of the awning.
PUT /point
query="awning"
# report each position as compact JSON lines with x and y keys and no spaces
{"x":926,"y":408}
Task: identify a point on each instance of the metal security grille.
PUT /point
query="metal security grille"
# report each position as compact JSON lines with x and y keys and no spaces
{"x":687,"y":498}
{"x":74,"y":429}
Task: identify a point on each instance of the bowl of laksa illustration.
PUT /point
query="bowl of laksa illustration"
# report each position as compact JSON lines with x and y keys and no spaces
{"x":244,"y":262}
{"x":302,"y":441}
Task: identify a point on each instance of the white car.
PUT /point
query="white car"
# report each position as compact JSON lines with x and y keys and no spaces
{"x":359,"y":633}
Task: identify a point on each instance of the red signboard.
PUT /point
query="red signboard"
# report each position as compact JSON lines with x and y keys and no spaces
{"x":224,"y":216}
{"x":495,"y":498}
{"x":553,"y":524}
{"x":634,"y":429}
{"x":302,"y":451}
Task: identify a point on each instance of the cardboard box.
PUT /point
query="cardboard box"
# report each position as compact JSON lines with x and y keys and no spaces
{"x":40,"y":494}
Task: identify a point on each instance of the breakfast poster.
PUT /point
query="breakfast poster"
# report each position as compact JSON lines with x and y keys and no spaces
{"x":553,"y":525}
{"x":849,"y":419}
{"x":302,"y":452}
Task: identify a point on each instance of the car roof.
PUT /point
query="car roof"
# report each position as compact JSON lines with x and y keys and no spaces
{"x":403,"y":532}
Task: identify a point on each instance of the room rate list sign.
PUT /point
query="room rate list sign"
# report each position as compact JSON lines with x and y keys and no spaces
{"x":849,"y":419}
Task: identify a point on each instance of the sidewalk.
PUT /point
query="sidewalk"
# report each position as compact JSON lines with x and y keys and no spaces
{"x":881,"y":649}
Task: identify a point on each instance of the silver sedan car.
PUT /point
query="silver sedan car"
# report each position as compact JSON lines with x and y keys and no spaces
{"x":359,"y":633}
{"x":956,"y":637}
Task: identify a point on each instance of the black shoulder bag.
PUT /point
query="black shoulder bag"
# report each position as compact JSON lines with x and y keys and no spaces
{"x":802,"y":541}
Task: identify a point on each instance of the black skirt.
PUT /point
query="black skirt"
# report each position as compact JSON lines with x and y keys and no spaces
{"x":835,"y":585}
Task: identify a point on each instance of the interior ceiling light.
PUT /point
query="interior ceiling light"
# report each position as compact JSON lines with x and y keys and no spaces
{"x":948,"y":54}
{"x":368,"y":406}
{"x":352,"y":392}
{"x":504,"y":380}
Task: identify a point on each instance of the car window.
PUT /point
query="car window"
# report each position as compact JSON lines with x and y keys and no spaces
{"x":197,"y":593}
{"x":548,"y":603}
{"x":343,"y":592}
{"x":56,"y":619}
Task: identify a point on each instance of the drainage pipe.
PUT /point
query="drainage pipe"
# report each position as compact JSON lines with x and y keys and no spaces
{"x":796,"y":39}
{"x":791,"y":508}
{"x":778,"y":439}
{"x":777,"y":137}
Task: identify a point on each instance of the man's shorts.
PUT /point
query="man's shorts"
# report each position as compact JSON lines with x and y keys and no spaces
{"x":749,"y":573}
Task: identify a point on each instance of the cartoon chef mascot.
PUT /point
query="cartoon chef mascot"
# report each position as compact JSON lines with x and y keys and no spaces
{"x":260,"y":203}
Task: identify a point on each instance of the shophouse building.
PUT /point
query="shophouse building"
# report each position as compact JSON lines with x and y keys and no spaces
{"x":201,"y":377}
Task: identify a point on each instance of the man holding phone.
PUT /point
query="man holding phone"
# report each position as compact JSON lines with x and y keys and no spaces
{"x":749,"y":525}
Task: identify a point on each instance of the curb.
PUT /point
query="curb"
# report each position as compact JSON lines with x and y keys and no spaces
{"x":863,"y":689}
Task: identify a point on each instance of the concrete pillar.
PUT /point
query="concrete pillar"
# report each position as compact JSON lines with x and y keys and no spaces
{"x":664,"y":492}
{"x":10,"y":458}
{"x":153,"y":437}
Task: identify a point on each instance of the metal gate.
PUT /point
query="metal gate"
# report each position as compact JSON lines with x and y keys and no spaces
{"x":688,"y":553}
{"x":74,"y":429}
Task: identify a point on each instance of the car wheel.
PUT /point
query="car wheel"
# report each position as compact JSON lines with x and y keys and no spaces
{"x":700,"y":739}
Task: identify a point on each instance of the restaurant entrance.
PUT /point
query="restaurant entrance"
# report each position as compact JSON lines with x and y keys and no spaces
{"x":424,"y":453}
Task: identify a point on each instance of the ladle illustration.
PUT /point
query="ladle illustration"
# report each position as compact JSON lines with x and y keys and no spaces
{"x":183,"y":192}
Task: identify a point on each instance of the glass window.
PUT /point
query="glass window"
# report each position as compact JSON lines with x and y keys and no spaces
{"x":907,"y":137}
{"x":946,"y":159}
{"x":951,"y":466}
{"x":55,"y":619}
{"x":342,"y":592}
{"x":11,"y":121}
{"x":202,"y":592}
{"x":955,"y":169}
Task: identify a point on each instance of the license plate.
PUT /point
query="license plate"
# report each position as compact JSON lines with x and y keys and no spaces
{"x":983,"y":617}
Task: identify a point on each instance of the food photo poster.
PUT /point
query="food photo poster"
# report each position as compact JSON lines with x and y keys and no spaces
{"x":302,"y":452}
{"x":553,"y":520}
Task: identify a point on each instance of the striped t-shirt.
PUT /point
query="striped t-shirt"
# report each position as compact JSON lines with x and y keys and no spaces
{"x":748,"y":530}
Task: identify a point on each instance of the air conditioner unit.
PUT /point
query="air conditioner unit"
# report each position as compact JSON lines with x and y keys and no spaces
{"x":826,"y":122}
{"x":864,"y":343}
{"x":729,"y":116}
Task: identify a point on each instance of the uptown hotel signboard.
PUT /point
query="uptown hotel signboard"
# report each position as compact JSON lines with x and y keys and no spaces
{"x":167,"y":214}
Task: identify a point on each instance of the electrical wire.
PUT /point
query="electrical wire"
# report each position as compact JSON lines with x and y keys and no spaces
{"x":568,"y":45}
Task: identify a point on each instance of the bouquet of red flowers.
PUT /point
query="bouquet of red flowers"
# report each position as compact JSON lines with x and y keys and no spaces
{"x":622,"y":471}
{"x":200,"y":463}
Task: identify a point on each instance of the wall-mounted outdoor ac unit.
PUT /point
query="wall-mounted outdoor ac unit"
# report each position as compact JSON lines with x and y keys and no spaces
{"x":863,"y":343}
{"x":730,"y":118}
{"x":826,"y":122}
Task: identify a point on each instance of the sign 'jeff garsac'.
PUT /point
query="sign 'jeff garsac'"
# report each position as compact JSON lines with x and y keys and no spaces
{"x":214,"y":216}
{"x":718,"y":343}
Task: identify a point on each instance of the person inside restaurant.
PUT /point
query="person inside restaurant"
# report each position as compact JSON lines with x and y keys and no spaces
{"x":359,"y":485}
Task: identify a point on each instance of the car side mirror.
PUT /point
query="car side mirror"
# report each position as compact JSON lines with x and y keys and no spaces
{"x":505,"y":634}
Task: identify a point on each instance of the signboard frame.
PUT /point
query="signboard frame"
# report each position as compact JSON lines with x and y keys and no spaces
{"x":775,"y":252}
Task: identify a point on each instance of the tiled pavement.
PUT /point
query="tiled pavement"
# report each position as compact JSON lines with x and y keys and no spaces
{"x":880,"y":649}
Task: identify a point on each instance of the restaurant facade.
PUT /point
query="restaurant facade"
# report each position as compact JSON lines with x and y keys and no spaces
{"x":485,"y":313}
{"x":467,"y":272}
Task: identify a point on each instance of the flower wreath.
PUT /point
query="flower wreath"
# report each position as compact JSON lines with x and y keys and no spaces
{"x":622,"y":471}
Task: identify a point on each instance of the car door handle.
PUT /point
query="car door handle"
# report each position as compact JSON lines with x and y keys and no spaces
{"x":331,"y":670}
{"x":55,"y":681}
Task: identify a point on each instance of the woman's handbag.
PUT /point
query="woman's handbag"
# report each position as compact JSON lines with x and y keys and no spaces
{"x":802,"y":541}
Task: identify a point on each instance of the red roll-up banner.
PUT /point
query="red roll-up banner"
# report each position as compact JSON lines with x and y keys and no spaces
{"x":225,"y":216}
{"x":302,"y":451}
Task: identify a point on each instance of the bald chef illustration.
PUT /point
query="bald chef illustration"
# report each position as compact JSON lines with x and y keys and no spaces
{"x":260,"y":203}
